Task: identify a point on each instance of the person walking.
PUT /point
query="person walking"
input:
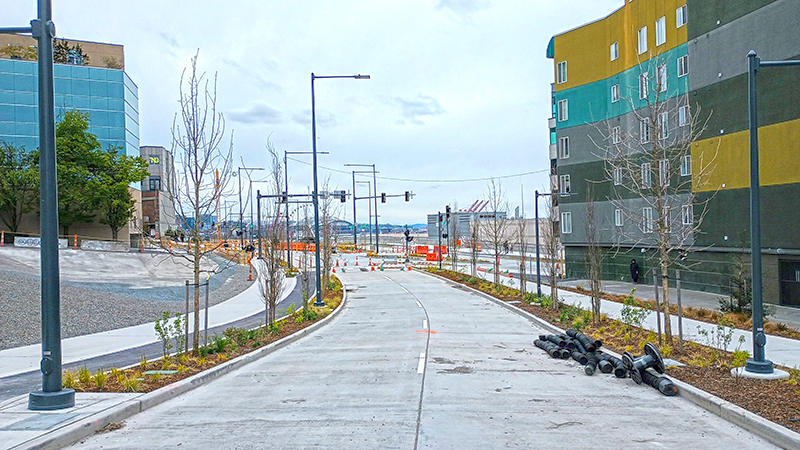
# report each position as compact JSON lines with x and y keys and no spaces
{"x":635,"y":271}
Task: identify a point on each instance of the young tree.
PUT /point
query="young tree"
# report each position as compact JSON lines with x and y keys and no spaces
{"x":19,"y":185}
{"x":521,"y":232}
{"x":205,"y":168}
{"x":271,"y":274}
{"x":496,"y":226}
{"x":328,"y":213}
{"x":551,"y":250}
{"x":474,"y":244}
{"x":594,"y":255}
{"x":453,"y":236}
{"x":655,"y":179}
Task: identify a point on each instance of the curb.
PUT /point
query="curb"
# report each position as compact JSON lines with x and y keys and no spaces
{"x":771,"y":431}
{"x":91,"y":424}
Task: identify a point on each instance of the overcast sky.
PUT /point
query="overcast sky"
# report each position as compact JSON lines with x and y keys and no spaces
{"x":460,"y":89}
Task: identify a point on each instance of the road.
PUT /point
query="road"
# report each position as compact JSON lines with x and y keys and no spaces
{"x":413,"y":362}
{"x":22,"y":383}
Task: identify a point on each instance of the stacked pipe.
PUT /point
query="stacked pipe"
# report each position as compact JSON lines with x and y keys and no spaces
{"x":648,"y":369}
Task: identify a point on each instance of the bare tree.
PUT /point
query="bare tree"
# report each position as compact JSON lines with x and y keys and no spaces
{"x":522,"y":244}
{"x":453,"y":237}
{"x":655,"y":179}
{"x":197,"y":132}
{"x":496,"y":226}
{"x":551,"y":250}
{"x":328,"y":213}
{"x":474,"y":244}
{"x":271,"y":274}
{"x":594,"y":255}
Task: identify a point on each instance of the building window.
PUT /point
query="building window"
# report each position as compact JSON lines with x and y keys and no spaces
{"x":566,"y":222}
{"x":680,"y":16}
{"x":647,"y":220}
{"x":687,"y":215}
{"x":663,"y":125}
{"x":644,"y":130}
{"x":642,"y":40}
{"x":563,"y":148}
{"x":616,"y":136}
{"x":564,"y":185}
{"x":155,"y":184}
{"x":562,"y":72}
{"x":683,"y":115}
{"x":614,"y":51}
{"x":618,"y":176}
{"x":646,"y":176}
{"x":686,"y":165}
{"x":614,"y":93}
{"x":643,"y":85}
{"x":663,"y":172}
{"x":618,"y":221}
{"x":661,"y":31}
{"x":563,"y":110}
{"x":662,"y":78}
{"x":683,"y":65}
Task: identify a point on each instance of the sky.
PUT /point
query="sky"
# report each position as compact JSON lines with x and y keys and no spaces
{"x":459,"y":89}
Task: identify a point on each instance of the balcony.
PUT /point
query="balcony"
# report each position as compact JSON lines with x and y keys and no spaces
{"x":553,"y":151}
{"x":551,"y":123}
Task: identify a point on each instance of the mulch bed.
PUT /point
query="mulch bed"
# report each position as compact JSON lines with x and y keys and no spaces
{"x":706,"y":368}
{"x":239,"y":342}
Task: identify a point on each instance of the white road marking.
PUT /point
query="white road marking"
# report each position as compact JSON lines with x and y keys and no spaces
{"x":418,"y":304}
{"x":387,"y":278}
{"x":407,"y":291}
{"x":421,"y":365}
{"x":424,"y":324}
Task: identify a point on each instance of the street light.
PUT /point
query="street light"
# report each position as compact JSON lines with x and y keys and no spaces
{"x":374,"y":195}
{"x":758,"y":364}
{"x":241,"y":214}
{"x":315,"y":196}
{"x":52,"y":395}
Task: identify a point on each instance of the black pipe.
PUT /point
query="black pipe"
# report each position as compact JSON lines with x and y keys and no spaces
{"x":549,"y":347}
{"x":580,"y":357}
{"x":565,"y":353}
{"x":605,"y":366}
{"x":663,"y":384}
{"x":620,"y":371}
{"x":591,"y":364}
{"x":558,"y":340}
{"x":588,"y":344}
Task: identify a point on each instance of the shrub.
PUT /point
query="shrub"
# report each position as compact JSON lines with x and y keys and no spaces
{"x":143,"y":362}
{"x":631,"y":313}
{"x":84,"y":376}
{"x":740,"y":358}
{"x":100,"y":378}
{"x":68,"y":380}
{"x":130,"y":384}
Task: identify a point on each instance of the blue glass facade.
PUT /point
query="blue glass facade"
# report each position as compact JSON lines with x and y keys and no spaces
{"x":109,"y":96}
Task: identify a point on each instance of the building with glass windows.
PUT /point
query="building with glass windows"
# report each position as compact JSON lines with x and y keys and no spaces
{"x":89,"y":77}
{"x":94,"y":82}
{"x":650,"y":121}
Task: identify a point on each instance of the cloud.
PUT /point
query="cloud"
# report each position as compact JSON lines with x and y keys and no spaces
{"x":413,"y":109}
{"x":257,"y":113}
{"x":462,"y":7}
{"x":255,"y":76}
{"x":169,"y":39}
{"x":324,"y":118}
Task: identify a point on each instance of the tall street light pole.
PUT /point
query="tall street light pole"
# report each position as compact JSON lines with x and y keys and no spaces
{"x":52,"y":396}
{"x":355,"y":221}
{"x":315,"y":195}
{"x":758,"y":364}
{"x":374,"y":196}
{"x":241,"y":212}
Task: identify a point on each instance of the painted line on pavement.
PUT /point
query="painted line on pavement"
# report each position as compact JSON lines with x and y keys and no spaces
{"x":424,"y":324}
{"x":421,"y":365}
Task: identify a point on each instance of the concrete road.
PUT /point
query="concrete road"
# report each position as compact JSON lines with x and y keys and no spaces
{"x":413,"y":362}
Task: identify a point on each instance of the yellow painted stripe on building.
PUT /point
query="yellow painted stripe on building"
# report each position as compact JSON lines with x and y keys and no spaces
{"x":587,"y":49}
{"x":777,"y":160}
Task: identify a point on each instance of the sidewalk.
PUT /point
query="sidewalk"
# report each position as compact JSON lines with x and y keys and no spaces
{"x":779,"y":350}
{"x":24,"y":359}
{"x":783,"y":314}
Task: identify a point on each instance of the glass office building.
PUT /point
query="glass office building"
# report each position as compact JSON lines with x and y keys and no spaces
{"x":108,"y":95}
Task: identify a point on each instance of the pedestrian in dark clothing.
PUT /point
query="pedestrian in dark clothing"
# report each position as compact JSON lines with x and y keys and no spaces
{"x":635,"y":271}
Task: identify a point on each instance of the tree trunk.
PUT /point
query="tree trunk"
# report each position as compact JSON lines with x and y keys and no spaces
{"x":114,"y":233}
{"x":196,"y":335}
{"x":665,"y":290}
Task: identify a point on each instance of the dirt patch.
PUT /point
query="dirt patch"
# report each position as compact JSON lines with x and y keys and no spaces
{"x":457,"y":369}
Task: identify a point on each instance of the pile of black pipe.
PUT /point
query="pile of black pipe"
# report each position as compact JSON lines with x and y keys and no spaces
{"x":647,"y":369}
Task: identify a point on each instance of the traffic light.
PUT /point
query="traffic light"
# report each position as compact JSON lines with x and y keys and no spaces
{"x":343,"y":197}
{"x":447,"y":212}
{"x":284,"y":197}
{"x":383,"y":197}
{"x":408,"y":196}
{"x":406,"y":233}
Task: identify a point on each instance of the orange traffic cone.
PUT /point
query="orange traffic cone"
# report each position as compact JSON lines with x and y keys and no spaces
{"x":337,"y":263}
{"x":2,"y":238}
{"x":373,"y":268}
{"x":75,"y":242}
{"x":250,"y":277}
{"x":356,"y":260}
{"x":333,"y":270}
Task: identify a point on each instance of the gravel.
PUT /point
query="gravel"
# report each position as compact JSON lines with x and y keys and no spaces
{"x":94,"y":307}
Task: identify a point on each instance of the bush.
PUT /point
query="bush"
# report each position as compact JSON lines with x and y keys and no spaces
{"x":100,"y":379}
{"x":130,"y":384}
{"x":631,"y":313}
{"x":68,"y":380}
{"x":84,"y":376}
